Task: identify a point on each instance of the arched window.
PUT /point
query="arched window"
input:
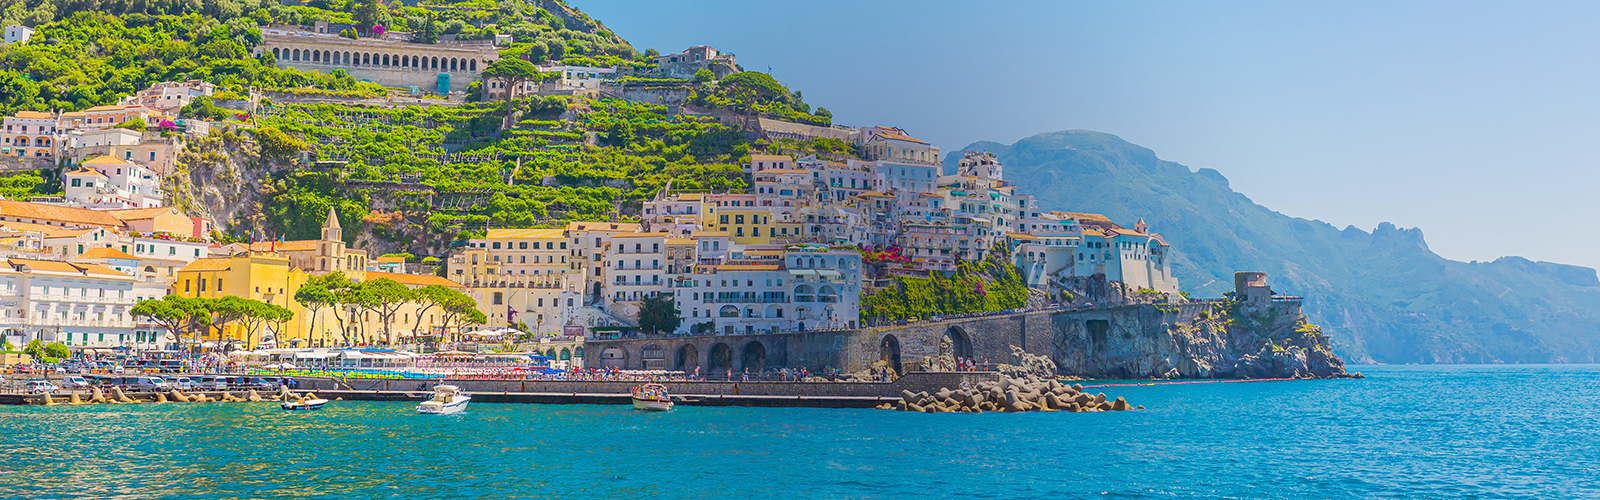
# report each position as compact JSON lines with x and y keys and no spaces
{"x":474,"y":64}
{"x":728,"y":312}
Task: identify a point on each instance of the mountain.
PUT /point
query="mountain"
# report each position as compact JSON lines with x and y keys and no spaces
{"x":1383,"y":296}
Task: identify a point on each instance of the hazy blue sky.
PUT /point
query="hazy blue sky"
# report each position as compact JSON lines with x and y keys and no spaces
{"x":1476,"y":122}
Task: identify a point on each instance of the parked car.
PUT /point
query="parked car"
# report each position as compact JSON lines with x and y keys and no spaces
{"x":41,"y":387}
{"x":266,"y":382}
{"x":211,"y":383}
{"x":167,"y":365}
{"x":182,"y":383}
{"x":148,"y":384}
{"x":74,"y":382}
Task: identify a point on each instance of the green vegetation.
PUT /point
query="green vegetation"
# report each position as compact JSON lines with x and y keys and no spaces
{"x":22,"y":185}
{"x":204,"y":317}
{"x":486,"y":181}
{"x":975,"y":287}
{"x":757,"y":92}
{"x":384,"y":298}
{"x":658,"y":314}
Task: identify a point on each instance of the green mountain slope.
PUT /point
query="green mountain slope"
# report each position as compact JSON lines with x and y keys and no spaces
{"x":1383,"y":296}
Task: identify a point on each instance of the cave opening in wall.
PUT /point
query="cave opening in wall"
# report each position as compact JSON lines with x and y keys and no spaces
{"x":687,"y":360}
{"x":721,"y":359}
{"x":755,"y":356}
{"x":960,"y":343}
{"x":889,"y":352}
{"x":1097,"y":329}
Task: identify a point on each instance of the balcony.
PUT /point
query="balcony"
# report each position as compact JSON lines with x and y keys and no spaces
{"x":743,"y":300}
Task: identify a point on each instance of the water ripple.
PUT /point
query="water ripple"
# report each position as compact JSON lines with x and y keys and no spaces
{"x":1405,"y":432}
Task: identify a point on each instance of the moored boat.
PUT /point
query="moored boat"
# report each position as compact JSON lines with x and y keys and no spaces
{"x":303,"y":403}
{"x":447,"y":399}
{"x":651,"y":397}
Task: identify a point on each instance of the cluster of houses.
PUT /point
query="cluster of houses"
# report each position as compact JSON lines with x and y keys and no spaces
{"x":794,"y":253}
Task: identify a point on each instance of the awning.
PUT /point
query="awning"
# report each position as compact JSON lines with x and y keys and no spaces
{"x":802,"y":272}
{"x":829,"y":273}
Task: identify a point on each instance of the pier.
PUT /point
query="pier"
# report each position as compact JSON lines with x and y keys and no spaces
{"x":687,"y":393}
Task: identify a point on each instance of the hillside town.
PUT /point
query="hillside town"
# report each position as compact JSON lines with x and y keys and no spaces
{"x":798,"y":250}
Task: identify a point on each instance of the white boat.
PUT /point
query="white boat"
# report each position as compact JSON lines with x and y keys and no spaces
{"x":303,"y":404}
{"x":447,"y":400}
{"x":651,"y":397}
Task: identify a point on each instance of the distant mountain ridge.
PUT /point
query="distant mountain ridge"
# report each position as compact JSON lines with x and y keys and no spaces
{"x":1383,"y":296}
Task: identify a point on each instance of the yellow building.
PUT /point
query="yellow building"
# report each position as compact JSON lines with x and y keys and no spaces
{"x":263,"y":276}
{"x":275,"y":277}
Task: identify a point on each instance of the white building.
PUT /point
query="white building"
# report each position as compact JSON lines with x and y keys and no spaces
{"x":30,"y":134}
{"x":80,"y":305}
{"x":18,"y":34}
{"x":111,"y":183}
{"x":170,"y":96}
{"x":638,"y":267}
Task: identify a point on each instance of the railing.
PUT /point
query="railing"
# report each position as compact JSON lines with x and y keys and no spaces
{"x":743,"y":300}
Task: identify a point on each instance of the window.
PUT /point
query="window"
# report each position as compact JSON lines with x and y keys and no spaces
{"x":523,"y":245}
{"x":499,"y":298}
{"x":496,"y":245}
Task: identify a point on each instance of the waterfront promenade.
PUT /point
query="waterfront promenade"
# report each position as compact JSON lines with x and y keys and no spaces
{"x":706,"y":393}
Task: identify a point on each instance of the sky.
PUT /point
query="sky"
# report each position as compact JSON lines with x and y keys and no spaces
{"x":1476,"y":122}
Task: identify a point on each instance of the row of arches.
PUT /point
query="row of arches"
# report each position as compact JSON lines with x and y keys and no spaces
{"x":801,"y":313}
{"x":380,"y":60}
{"x":36,"y":141}
{"x":752,"y":356}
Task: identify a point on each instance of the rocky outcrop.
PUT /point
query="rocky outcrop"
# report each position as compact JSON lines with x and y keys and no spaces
{"x":1218,"y":339}
{"x":1008,"y":395}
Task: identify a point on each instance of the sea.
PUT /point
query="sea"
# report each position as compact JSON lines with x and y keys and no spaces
{"x":1413,"y":432}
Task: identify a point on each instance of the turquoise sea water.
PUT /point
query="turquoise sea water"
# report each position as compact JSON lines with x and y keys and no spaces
{"x":1404,"y":432}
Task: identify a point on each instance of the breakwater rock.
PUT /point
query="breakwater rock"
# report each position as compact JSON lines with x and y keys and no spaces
{"x":1008,"y":395}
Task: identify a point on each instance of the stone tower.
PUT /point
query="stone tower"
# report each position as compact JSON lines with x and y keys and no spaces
{"x":330,"y":249}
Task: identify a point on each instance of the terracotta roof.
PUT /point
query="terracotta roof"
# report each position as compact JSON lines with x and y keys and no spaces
{"x":85,"y":171}
{"x":99,"y":270}
{"x":113,"y":107}
{"x":771,"y":158}
{"x":289,"y":246}
{"x":603,"y":226}
{"x":106,"y":253}
{"x":11,"y":208}
{"x":680,"y":241}
{"x":508,"y":234}
{"x":690,"y":196}
{"x":209,"y":264}
{"x":141,"y":213}
{"x":54,"y":266}
{"x":640,"y":235}
{"x":417,"y":280}
{"x":24,"y":226}
{"x":107,"y":160}
{"x":1096,"y":220}
{"x":750,"y":267}
{"x":33,"y":115}
{"x":900,"y":137}
{"x":1023,"y":236}
{"x":709,"y":234}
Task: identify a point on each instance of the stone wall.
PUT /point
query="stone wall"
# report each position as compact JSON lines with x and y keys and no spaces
{"x":914,"y":382}
{"x":1187,"y":340}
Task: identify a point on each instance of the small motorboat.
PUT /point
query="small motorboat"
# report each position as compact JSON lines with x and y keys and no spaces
{"x":651,"y":397}
{"x":303,"y":403}
{"x":447,"y":400}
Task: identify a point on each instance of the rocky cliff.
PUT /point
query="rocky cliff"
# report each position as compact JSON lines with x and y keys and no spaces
{"x":1216,"y":339}
{"x":1382,"y":295}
